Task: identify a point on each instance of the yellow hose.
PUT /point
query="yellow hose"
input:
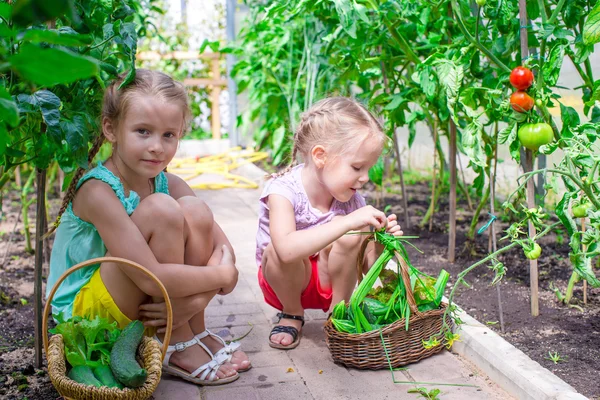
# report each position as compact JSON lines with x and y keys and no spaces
{"x":218,"y":164}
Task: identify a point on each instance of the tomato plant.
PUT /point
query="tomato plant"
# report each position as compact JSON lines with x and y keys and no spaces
{"x":521,"y":102}
{"x":521,"y":78}
{"x":532,"y":136}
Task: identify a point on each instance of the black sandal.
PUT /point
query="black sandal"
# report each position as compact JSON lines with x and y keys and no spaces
{"x":290,"y":330}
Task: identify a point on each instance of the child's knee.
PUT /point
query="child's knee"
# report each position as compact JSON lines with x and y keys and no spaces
{"x":197,"y":213}
{"x":349,"y":243}
{"x":162,"y":210}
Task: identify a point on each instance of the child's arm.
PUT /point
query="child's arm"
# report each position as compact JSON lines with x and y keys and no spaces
{"x":179,"y":188}
{"x":98,"y":204}
{"x":291,"y":245}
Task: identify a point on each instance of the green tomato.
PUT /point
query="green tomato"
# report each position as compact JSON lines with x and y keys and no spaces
{"x":580,"y":211}
{"x":532,"y":136}
{"x":481,"y":3}
{"x":534,"y":252}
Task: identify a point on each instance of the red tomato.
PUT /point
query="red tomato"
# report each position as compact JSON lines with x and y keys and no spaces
{"x":521,"y":78}
{"x":521,"y":101}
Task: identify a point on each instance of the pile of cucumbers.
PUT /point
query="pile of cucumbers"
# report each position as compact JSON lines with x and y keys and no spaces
{"x":122,"y":370}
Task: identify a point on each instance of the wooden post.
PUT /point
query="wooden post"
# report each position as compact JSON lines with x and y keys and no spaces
{"x":584,"y":250}
{"x":493,"y":235}
{"x":528,"y":167}
{"x":452,"y":221}
{"x":215,"y":94}
{"x":39,"y":259}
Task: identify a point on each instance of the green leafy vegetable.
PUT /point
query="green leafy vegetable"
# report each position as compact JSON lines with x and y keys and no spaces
{"x":87,"y":342}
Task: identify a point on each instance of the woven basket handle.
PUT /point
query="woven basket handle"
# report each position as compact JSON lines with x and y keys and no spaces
{"x":403,"y":272}
{"x":100,"y":260}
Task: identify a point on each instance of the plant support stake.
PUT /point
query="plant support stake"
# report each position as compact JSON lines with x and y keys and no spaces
{"x":533,"y":264}
{"x":494,"y":244}
{"x":39,"y":259}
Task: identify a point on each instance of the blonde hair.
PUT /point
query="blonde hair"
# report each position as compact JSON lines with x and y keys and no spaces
{"x":333,"y":122}
{"x":115,"y":105}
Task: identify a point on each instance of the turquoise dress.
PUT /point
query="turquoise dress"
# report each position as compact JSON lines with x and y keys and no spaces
{"x":77,"y":241}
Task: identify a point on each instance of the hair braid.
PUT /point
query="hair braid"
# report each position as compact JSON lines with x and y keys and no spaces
{"x":73,"y":185}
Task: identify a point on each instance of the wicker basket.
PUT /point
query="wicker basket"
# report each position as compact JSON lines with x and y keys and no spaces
{"x":402,"y":347}
{"x":149,"y":351}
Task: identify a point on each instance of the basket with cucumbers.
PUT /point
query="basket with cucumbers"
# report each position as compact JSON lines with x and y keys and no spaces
{"x":91,"y":358}
{"x":389,"y":325}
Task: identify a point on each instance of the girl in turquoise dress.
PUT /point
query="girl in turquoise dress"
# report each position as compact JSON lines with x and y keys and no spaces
{"x":129,"y":207}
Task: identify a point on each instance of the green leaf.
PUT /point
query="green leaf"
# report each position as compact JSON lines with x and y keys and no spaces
{"x":344,"y":10}
{"x":64,"y":36}
{"x":3,"y":138}
{"x":376,"y":172}
{"x":397,"y":100}
{"x":5,"y":11}
{"x":508,"y":134}
{"x":361,"y":11}
{"x":595,"y":94}
{"x":569,"y":115}
{"x":533,"y":10}
{"x":49,"y":67}
{"x":471,"y":141}
{"x":591,"y":27}
{"x":8,"y":108}
{"x":551,"y":68}
{"x":427,"y":83}
{"x":48,"y":104}
{"x":31,"y":12}
{"x":450,"y":77}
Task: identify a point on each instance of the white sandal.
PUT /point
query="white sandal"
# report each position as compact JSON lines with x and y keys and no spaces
{"x":205,"y":375}
{"x":227,"y":350}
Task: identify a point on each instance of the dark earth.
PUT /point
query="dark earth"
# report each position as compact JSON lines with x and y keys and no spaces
{"x":573,"y":334}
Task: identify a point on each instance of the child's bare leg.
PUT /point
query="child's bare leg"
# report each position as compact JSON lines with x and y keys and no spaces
{"x":161,"y":221}
{"x":287,"y":281}
{"x":199,"y":248}
{"x":337,"y":267}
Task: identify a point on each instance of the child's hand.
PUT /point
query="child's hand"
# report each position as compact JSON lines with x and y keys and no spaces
{"x":366,"y":216}
{"x":231,"y":271}
{"x":393,"y":228}
{"x":155,"y":314}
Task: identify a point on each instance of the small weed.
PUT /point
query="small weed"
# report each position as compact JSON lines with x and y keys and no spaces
{"x":555,"y":357}
{"x":426,"y":394}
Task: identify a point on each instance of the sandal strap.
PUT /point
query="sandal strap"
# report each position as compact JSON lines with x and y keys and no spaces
{"x":283,"y":315}
{"x":228,"y":348}
{"x":290,"y":330}
{"x":209,"y":371}
{"x":180,"y":346}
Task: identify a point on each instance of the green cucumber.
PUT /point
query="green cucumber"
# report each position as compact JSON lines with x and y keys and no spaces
{"x":104,"y":374}
{"x":83,"y":374}
{"x":122,"y":356}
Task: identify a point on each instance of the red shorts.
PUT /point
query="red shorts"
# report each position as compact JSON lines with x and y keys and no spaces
{"x":313,"y":297}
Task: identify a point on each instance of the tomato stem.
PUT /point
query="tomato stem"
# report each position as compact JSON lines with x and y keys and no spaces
{"x":556,"y":11}
{"x":463,"y":29}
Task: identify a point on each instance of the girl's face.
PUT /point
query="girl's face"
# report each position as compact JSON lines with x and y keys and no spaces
{"x":347,"y":172}
{"x":147,"y":136}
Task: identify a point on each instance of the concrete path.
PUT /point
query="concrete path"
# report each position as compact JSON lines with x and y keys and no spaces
{"x":308,"y":371}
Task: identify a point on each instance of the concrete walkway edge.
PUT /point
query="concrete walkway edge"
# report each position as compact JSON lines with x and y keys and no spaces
{"x":506,"y":365}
